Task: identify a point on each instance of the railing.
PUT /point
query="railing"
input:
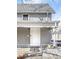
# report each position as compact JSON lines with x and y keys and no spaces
{"x":34,"y":19}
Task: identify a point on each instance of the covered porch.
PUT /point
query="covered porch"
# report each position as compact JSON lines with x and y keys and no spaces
{"x":33,"y":36}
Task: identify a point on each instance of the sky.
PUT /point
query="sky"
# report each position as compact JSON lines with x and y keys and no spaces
{"x":55,"y":4}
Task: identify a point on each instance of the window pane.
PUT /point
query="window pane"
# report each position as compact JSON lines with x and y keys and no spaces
{"x":25,"y":17}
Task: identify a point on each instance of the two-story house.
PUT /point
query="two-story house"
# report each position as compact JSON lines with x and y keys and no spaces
{"x":34,"y":22}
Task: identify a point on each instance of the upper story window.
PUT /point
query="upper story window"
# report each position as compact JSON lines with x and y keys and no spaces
{"x":25,"y":17}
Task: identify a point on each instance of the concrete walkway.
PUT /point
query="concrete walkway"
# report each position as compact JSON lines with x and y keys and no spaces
{"x":44,"y":57}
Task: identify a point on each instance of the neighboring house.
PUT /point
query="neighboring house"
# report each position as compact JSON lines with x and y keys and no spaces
{"x":34,"y":22}
{"x":56,"y":34}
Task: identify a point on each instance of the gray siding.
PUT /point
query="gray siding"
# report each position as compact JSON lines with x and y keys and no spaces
{"x":23,"y":37}
{"x":45,"y":36}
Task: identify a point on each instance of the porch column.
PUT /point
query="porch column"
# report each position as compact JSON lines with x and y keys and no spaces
{"x":35,"y":36}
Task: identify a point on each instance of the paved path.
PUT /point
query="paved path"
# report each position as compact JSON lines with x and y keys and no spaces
{"x":44,"y":57}
{"x":35,"y":57}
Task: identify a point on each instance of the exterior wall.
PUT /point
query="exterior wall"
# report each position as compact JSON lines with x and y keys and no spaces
{"x":45,"y":36}
{"x":23,"y":37}
{"x":19,"y":16}
{"x":56,"y":34}
{"x":56,"y":31}
{"x":35,"y":16}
